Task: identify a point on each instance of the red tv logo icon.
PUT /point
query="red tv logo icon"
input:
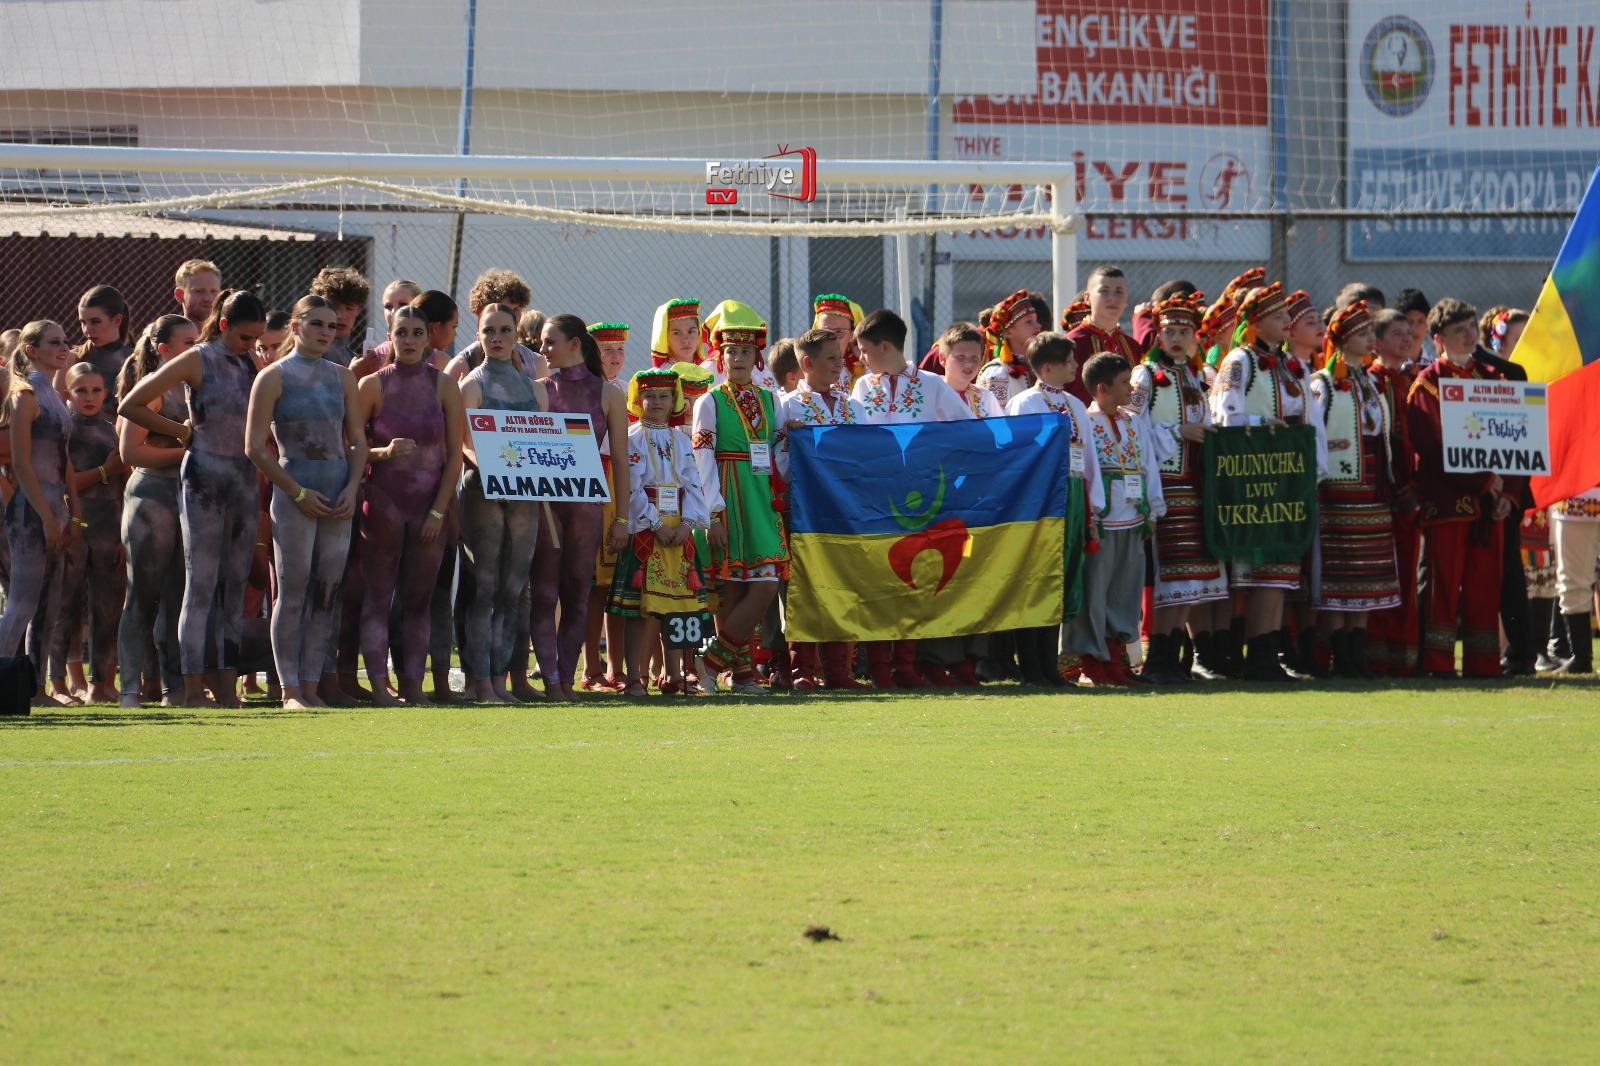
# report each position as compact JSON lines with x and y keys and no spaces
{"x":722,"y":196}
{"x":484,"y":423}
{"x":807,"y":158}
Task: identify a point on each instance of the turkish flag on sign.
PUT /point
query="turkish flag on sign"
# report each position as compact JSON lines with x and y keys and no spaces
{"x":483,"y":422}
{"x":1454,"y":392}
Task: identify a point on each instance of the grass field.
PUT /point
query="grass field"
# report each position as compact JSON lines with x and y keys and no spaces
{"x":1223,"y":874}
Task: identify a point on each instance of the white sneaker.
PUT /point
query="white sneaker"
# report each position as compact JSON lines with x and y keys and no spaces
{"x":751,"y":688}
{"x":708,"y":678}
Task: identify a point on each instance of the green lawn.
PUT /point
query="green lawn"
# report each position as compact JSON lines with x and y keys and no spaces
{"x":1221,"y":875}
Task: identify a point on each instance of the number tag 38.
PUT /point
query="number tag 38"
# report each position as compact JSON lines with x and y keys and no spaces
{"x":684,"y":630}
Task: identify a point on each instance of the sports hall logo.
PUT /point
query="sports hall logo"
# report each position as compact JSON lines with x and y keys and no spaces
{"x":788,"y":174}
{"x":1397,"y":65}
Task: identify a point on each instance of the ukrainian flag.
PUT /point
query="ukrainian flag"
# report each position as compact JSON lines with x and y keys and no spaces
{"x":933,"y":529}
{"x":1563,"y":333}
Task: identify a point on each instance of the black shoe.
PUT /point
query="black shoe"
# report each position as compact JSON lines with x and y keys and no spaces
{"x":1356,"y":650}
{"x":1154,"y":669}
{"x":1261,"y":660}
{"x":1206,"y":667}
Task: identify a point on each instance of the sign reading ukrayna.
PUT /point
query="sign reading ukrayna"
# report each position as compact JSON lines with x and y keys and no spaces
{"x":537,"y":456}
{"x":965,"y":521}
{"x":1496,"y":426}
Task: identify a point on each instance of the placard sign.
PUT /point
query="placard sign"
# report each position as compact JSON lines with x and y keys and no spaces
{"x":1261,"y":493}
{"x":525,"y":455}
{"x":1496,"y":426}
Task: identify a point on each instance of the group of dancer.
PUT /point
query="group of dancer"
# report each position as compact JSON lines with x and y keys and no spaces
{"x":231,"y":491}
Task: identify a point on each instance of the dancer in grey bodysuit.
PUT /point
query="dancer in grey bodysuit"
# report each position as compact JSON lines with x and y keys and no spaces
{"x":107,"y":336}
{"x":311,"y":407}
{"x":93,"y":581}
{"x":217,"y":496}
{"x":499,"y":535}
{"x":42,"y":519}
{"x":152,"y":539}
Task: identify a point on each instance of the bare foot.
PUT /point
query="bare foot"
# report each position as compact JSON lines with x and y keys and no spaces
{"x":44,"y":699}
{"x":292,"y":704}
{"x":60,"y":694}
{"x":350,"y":685}
{"x":636,"y":690}
{"x":411,"y":692}
{"x":482,"y":692}
{"x":334,"y":697}
{"x":103,"y":693}
{"x":382,"y":697}
{"x":522,"y":690}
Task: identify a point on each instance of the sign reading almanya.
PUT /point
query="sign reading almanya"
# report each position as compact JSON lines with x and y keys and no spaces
{"x":532,"y":455}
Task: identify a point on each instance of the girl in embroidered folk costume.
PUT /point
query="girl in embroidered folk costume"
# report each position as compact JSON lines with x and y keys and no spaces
{"x":675,"y":333}
{"x":657,"y":573}
{"x":819,"y":400}
{"x":1260,"y":385}
{"x":739,"y":449}
{"x":1130,"y":483}
{"x":1012,"y":324}
{"x":600,"y":674}
{"x":1170,"y":394}
{"x":717,"y":360}
{"x":1307,"y":658}
{"x":840,"y":316}
{"x":1054,"y":362}
{"x":1357,"y":565}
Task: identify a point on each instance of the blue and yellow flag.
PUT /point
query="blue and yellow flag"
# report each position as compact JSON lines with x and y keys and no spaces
{"x":934,"y":529}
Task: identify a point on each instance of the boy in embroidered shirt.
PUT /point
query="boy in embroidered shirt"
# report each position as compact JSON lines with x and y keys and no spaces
{"x":1114,"y":575}
{"x":960,"y":348}
{"x":819,"y":400}
{"x":1052,"y":359}
{"x":894,"y":392}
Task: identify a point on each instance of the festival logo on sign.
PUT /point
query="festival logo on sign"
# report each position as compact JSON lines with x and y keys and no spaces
{"x":1397,"y":65}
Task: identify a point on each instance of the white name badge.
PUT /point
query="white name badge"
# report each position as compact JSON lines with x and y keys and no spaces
{"x":667,"y":500}
{"x":1076,"y":467}
{"x":760,"y":457}
{"x":1133,"y":487}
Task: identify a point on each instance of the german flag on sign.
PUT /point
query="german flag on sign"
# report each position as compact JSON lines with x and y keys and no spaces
{"x":578,"y":425}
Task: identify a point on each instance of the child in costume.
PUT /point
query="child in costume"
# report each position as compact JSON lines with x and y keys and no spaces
{"x":819,"y":400}
{"x":1260,"y":385}
{"x":1012,"y":324}
{"x":1130,"y":480}
{"x":1393,"y":634}
{"x":1101,"y":331}
{"x":598,"y":675}
{"x":1170,"y":393}
{"x":709,"y":332}
{"x":675,"y":334}
{"x":961,"y":352}
{"x":658,"y":573}
{"x":1053,"y":360}
{"x":840,"y":316}
{"x":739,"y":448}
{"x":1356,"y":564}
{"x":893,"y":392}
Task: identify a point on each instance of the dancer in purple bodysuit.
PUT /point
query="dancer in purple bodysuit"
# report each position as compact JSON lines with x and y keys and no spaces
{"x":414,"y":418}
{"x":563,"y":569}
{"x":217,"y":499}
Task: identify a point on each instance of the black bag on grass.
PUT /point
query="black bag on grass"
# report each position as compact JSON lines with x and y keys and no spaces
{"x":18,"y":685}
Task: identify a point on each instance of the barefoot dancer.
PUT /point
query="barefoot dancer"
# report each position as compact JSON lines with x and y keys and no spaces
{"x":414,"y":419}
{"x":217,"y":501}
{"x":310,"y":406}
{"x":152,"y":541}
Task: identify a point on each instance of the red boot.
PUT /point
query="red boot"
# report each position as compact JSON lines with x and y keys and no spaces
{"x":906,"y":673}
{"x":838,"y":672}
{"x":938,"y":676}
{"x":880,"y":654}
{"x":804,"y":667}
{"x":966,"y":673}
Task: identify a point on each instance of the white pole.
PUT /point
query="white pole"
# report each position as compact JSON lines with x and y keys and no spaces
{"x":902,"y":267}
{"x":1063,"y":247}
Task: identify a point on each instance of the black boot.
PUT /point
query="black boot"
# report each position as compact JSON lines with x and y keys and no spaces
{"x":1539,"y":623}
{"x":1235,"y":650}
{"x":1154,"y":668}
{"x":1047,"y":646}
{"x":1175,"y":664}
{"x":1582,"y":643}
{"x":1261,"y":663}
{"x":1356,"y":650}
{"x":1185,"y":652}
{"x":1206,"y":665}
{"x":1560,"y":647}
{"x":1338,"y":641}
{"x":1027,"y":648}
{"x":1308,"y":654}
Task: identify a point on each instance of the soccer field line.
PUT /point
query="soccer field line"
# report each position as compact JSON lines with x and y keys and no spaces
{"x":663,"y":742}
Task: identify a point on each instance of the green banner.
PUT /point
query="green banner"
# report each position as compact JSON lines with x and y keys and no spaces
{"x":1261,"y":493}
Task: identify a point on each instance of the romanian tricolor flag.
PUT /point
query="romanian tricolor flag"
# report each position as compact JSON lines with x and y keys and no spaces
{"x":1561,"y":345}
{"x":933,"y":529}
